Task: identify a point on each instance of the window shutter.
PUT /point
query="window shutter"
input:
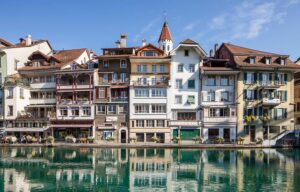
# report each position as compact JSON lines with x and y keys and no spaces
{"x":255,"y":94}
{"x":255,"y":111}
{"x":270,"y":77}
{"x":275,"y":114}
{"x":276,"y":94}
{"x":230,"y":96}
{"x":245,"y":112}
{"x":245,"y":94}
{"x":260,"y":94}
{"x":276,"y":76}
{"x":285,"y":95}
{"x":260,"y":77}
{"x":260,"y":111}
{"x":285,"y":78}
{"x":285,"y":113}
{"x":255,"y":77}
{"x":245,"y":77}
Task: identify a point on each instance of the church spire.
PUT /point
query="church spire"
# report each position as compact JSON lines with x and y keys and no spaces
{"x":165,"y":40}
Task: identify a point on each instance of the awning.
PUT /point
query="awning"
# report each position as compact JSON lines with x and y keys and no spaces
{"x":71,"y":126}
{"x":22,"y":129}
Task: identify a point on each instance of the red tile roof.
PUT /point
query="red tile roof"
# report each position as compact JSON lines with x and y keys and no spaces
{"x":188,"y":41}
{"x":165,"y":33}
{"x":68,"y":56}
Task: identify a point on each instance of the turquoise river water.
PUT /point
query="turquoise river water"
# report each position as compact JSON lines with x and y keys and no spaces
{"x":98,"y":169}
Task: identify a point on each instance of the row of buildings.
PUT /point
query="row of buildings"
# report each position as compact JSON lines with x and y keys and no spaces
{"x":145,"y":92}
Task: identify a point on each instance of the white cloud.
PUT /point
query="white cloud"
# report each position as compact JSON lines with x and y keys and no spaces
{"x":151,"y":25}
{"x":191,"y":26}
{"x":218,"y":22}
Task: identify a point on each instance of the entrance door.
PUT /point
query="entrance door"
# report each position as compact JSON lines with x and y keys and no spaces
{"x":123,"y":136}
{"x":252,"y":133}
{"x":227,"y":135}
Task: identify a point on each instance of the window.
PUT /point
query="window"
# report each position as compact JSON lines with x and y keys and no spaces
{"x":123,"y":63}
{"x":142,"y":81}
{"x":224,"y":80}
{"x":141,"y":92}
{"x":211,"y":80}
{"x":186,"y":116}
{"x":111,"y":109}
{"x":211,"y":96}
{"x":178,"y":99}
{"x":191,"y":84}
{"x":10,"y":110}
{"x":153,"y":68}
{"x":145,"y":69}
{"x":139,"y":68}
{"x":249,"y":78}
{"x":86,"y":111}
{"x":123,"y":108}
{"x":75,"y":111}
{"x":105,"y":78}
{"x":21,"y":93}
{"x":141,"y":108}
{"x":63,"y":111}
{"x":101,"y":92}
{"x":162,"y":68}
{"x":180,"y":68}
{"x":219,"y":112}
{"x":149,"y":53}
{"x":192,"y":68}
{"x":10,"y":92}
{"x":186,"y":53}
{"x":249,"y":94}
{"x":225,"y":96}
{"x":150,"y":123}
{"x":153,"y":81}
{"x":107,"y":134}
{"x":123,"y":77}
{"x":282,"y":61}
{"x":178,"y":84}
{"x":159,"y":108}
{"x":159,"y":92}
{"x":282,"y":95}
{"x":280,"y":113}
{"x":160,"y":123}
{"x":252,"y":60}
{"x":268,"y":60}
{"x":101,"y":109}
{"x":115,"y":77}
{"x":281,"y":78}
{"x":105,"y":64}
{"x":140,"y":123}
{"x":191,"y":99}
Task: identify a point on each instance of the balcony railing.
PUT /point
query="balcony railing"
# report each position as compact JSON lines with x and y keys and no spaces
{"x":173,"y":123}
{"x":220,"y":119}
{"x":36,"y":101}
{"x":151,"y":83}
{"x":269,"y":84}
{"x":270,"y":101}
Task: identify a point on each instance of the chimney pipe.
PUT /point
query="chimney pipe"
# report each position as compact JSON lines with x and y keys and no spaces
{"x":123,"y":40}
{"x":216,"y":48}
{"x":118,"y":44}
{"x":28,"y":40}
{"x":211,"y":53}
{"x":144,"y":42}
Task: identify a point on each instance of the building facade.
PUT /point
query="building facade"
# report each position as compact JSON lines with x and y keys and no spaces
{"x":184,"y":101}
{"x":264,"y":92}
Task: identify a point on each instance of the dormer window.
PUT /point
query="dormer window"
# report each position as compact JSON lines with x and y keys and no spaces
{"x":105,"y":64}
{"x":282,"y":61}
{"x":36,"y":64}
{"x":149,"y":53}
{"x":186,"y":53}
{"x":73,"y":66}
{"x":252,"y":60}
{"x":268,"y":60}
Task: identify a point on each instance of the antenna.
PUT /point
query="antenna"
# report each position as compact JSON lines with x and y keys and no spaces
{"x":165,"y":15}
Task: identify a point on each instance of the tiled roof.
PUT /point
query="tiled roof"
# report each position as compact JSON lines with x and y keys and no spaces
{"x":188,"y":41}
{"x":5,"y":43}
{"x":68,"y":56}
{"x":235,"y":49}
{"x":165,"y":33}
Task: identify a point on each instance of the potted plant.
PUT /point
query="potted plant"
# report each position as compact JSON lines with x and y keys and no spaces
{"x":91,"y":139}
{"x":176,"y":139}
{"x":259,"y":140}
{"x":250,"y":118}
{"x":70,"y":139}
{"x":132,"y":140}
{"x":219,"y":140}
{"x":240,"y":140}
{"x":34,"y":140}
{"x":198,"y":139}
{"x":155,"y":139}
{"x":50,"y":140}
{"x":110,"y":139}
{"x":265,"y":118}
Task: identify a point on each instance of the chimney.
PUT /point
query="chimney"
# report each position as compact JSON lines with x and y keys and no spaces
{"x":216,"y":48}
{"x":118,"y":44}
{"x":144,"y":42}
{"x":211,"y":53}
{"x":22,"y":41}
{"x":28,"y":40}
{"x":123,"y":40}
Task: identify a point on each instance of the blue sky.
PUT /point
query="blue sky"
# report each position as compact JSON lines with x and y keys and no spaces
{"x":269,"y":25}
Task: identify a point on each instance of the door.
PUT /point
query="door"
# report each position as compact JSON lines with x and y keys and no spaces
{"x":123,"y":136}
{"x":252,"y":133}
{"x":227,"y":135}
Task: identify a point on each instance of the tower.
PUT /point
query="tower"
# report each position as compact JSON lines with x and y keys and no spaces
{"x":165,"y":41}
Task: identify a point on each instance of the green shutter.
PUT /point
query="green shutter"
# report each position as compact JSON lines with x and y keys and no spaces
{"x":276,"y":76}
{"x":285,"y":78}
{"x":260,"y":111}
{"x":275,"y":113}
{"x":245,"y":112}
{"x":260,"y":94}
{"x":255,"y":111}
{"x":260,"y":77}
{"x":255,"y":77}
{"x":245,"y":77}
{"x":270,"y":77}
{"x":285,"y":95}
{"x":255,"y":94}
{"x":245,"y":94}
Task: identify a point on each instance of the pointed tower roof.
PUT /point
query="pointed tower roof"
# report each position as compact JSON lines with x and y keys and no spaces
{"x":165,"y":33}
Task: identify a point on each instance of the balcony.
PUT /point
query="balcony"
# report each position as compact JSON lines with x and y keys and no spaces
{"x":220,"y":119}
{"x":43,"y":85}
{"x":193,"y":123}
{"x":270,"y":102}
{"x":68,"y":86}
{"x":42,"y":101}
{"x":268,"y":85}
{"x":119,"y":99}
{"x":163,"y":83}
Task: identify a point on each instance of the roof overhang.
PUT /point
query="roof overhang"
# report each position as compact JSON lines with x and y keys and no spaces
{"x":197,"y":47}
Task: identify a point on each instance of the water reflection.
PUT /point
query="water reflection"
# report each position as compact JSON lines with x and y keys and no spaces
{"x":85,"y":169}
